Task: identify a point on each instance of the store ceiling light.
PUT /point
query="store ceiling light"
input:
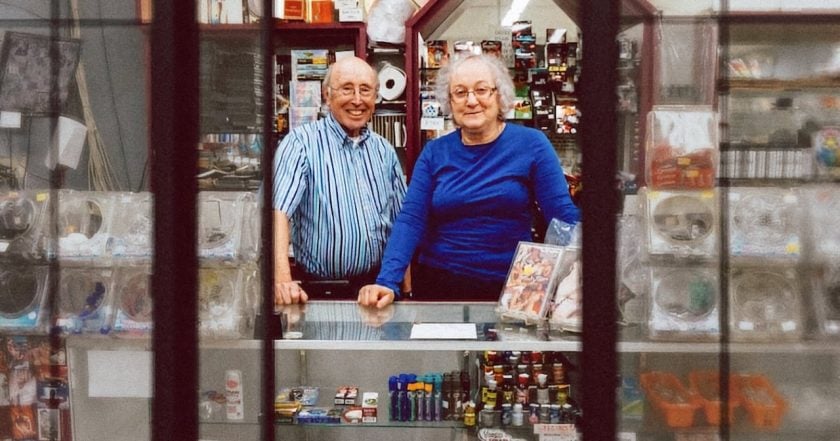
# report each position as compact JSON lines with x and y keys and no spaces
{"x":512,"y":15}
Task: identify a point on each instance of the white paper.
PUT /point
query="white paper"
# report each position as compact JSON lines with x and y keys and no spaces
{"x":444,"y":331}
{"x":120,"y":374}
{"x":428,"y":123}
{"x":10,"y":120}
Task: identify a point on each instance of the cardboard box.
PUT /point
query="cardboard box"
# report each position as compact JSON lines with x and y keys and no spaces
{"x":370,"y":404}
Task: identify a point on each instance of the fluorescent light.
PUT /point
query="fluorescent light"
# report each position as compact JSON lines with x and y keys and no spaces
{"x":516,"y":8}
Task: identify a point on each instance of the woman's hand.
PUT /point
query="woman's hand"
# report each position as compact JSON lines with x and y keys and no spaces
{"x":376,"y":295}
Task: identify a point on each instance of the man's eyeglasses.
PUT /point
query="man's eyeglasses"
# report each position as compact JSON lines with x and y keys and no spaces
{"x":364,"y":91}
{"x":481,"y":93}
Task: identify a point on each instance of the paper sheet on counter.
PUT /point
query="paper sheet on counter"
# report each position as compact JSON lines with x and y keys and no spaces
{"x":443,"y":331}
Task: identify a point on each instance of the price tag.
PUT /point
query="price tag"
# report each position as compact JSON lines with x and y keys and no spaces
{"x":555,"y":429}
{"x":431,"y":123}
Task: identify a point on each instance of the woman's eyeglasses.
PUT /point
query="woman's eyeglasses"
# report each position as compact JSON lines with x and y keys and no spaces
{"x":480,"y":93}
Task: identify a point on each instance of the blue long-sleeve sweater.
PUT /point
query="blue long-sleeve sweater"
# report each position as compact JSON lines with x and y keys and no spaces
{"x":467,"y":207}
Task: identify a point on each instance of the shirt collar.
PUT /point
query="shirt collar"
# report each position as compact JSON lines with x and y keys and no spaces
{"x":346,"y":141}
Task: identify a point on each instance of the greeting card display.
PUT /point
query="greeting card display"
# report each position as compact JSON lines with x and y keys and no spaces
{"x":765,"y":304}
{"x":531,"y":281}
{"x":684,"y":303}
{"x":681,"y":146}
{"x":23,"y":225}
{"x":682,"y":223}
{"x":84,"y":300}
{"x":132,"y":301}
{"x":84,"y":222}
{"x":764,"y":222}
{"x":131,"y":230}
{"x":23,"y":295}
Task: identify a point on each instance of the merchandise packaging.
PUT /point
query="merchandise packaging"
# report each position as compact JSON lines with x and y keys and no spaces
{"x":531,"y":281}
{"x":825,"y":286}
{"x":23,"y":296}
{"x":84,"y":226}
{"x":681,"y":223}
{"x":225,"y":227}
{"x":437,"y":53}
{"x":23,"y":225}
{"x":85,"y":300}
{"x":682,"y":147}
{"x":131,"y":231}
{"x":566,"y":310}
{"x":684,"y":303}
{"x":764,"y":223}
{"x":386,"y":20}
{"x":133,"y":301}
{"x":765,"y":303}
{"x":223,"y":304}
{"x":821,"y":203}
{"x":633,"y":274}
{"x":826,"y":145}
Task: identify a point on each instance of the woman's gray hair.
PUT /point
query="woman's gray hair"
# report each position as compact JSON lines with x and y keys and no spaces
{"x":501,"y":75}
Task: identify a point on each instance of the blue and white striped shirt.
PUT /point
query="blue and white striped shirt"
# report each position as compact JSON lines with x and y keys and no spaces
{"x":342,"y":197}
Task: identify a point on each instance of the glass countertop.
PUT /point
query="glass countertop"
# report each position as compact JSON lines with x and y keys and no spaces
{"x":337,"y":321}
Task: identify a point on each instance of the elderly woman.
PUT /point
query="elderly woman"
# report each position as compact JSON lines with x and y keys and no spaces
{"x":468,"y":203}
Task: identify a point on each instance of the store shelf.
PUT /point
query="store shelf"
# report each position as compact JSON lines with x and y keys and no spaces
{"x":739,"y":84}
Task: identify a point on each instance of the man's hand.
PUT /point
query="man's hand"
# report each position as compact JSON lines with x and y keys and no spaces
{"x":289,"y":293}
{"x":376,"y":295}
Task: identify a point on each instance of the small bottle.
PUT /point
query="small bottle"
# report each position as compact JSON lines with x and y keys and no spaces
{"x":559,"y":373}
{"x":234,"y":407}
{"x":491,"y":397}
{"x":545,"y":413}
{"x":438,"y":398}
{"x":522,"y":389}
{"x":469,"y":414}
{"x":393,"y":398}
{"x":534,"y":415}
{"x":402,"y":397}
{"x":429,"y":410}
{"x":554,"y":414}
{"x":542,"y":389}
{"x":507,"y":414}
{"x":420,"y":396}
{"x":508,"y":392}
{"x":517,"y":418}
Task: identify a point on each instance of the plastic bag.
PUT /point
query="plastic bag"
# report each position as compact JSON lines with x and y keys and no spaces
{"x":386,"y":20}
{"x":563,"y":234}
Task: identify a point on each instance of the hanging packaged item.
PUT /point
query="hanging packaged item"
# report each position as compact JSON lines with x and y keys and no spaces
{"x":766,"y":303}
{"x":84,"y":226}
{"x":681,"y":223}
{"x":531,"y":281}
{"x":764,"y":222}
{"x":23,"y":296}
{"x":23,"y":225}
{"x":684,"y":303}
{"x":131,"y":231}
{"x":85,"y":300}
{"x":682,"y":147}
{"x":133,"y":301}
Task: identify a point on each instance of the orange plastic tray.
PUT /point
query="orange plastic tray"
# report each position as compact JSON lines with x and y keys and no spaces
{"x":668,"y":395}
{"x":764,"y":405}
{"x":705,"y":385}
